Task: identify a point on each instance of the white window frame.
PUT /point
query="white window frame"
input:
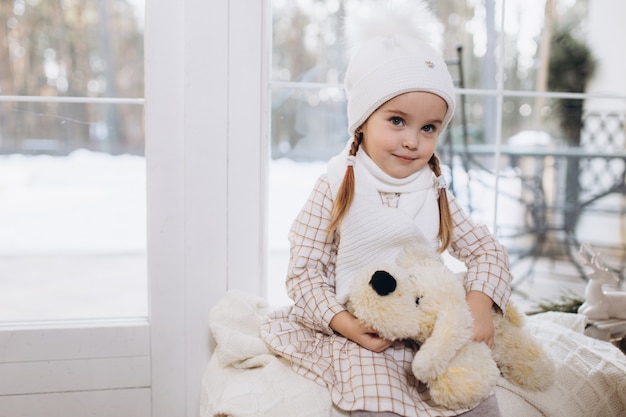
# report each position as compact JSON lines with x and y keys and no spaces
{"x":206,"y":123}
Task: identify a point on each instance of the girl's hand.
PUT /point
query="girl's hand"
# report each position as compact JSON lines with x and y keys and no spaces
{"x":480,"y":307}
{"x":350,"y":327}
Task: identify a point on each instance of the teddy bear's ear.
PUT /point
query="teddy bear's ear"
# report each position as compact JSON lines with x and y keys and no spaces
{"x":383,"y":282}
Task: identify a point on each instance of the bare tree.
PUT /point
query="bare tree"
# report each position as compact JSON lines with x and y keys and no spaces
{"x":78,"y":48}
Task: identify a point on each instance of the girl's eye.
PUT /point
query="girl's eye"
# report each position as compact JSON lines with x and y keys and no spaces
{"x":429,"y":128}
{"x":397,"y":121}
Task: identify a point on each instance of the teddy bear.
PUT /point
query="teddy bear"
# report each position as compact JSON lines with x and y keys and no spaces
{"x":419,"y":298}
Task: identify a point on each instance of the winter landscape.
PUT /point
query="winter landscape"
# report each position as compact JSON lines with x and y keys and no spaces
{"x":72,"y":240}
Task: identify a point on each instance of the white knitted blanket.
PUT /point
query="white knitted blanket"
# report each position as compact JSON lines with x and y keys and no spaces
{"x":243,"y":379}
{"x":590,"y":374}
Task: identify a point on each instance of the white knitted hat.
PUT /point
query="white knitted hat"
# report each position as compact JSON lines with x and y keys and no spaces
{"x":392,"y":55}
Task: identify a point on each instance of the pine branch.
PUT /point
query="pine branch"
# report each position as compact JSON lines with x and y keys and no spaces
{"x":567,"y":302}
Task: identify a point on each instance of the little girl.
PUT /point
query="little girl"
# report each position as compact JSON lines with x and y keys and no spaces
{"x":382,"y":193}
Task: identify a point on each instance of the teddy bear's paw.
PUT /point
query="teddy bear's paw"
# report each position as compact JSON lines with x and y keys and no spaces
{"x":428,"y":369}
{"x":469,"y":378}
{"x":424,"y":370}
{"x":524,"y":362}
{"x":534,"y":374}
{"x":461,"y":388}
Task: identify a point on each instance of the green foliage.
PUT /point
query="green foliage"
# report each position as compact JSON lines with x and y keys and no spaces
{"x":571,"y":66}
{"x":571,"y":63}
{"x":567,"y":302}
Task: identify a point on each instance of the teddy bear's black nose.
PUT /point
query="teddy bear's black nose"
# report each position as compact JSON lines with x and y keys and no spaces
{"x":383,"y":282}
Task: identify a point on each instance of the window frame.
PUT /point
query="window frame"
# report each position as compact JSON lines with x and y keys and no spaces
{"x":206,"y":172}
{"x":206,"y":178}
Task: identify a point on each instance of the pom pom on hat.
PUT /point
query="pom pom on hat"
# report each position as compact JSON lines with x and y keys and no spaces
{"x":393,"y":53}
{"x":390,"y":18}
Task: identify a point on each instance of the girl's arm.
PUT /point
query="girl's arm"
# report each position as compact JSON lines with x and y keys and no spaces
{"x":485,"y":258}
{"x":310,"y":276}
{"x":480,"y":307}
{"x":488,"y":278}
{"x":350,"y":327}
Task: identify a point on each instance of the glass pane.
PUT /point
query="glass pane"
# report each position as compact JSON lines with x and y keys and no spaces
{"x":308,"y":42}
{"x":86,"y":48}
{"x":60,"y":128}
{"x":308,"y":124}
{"x":543,"y":172}
{"x":309,"y":51}
{"x":309,"y":121}
{"x":566,"y":156}
{"x":559,"y":183}
{"x":552,"y":45}
{"x":572,"y":171}
{"x":72,"y":174}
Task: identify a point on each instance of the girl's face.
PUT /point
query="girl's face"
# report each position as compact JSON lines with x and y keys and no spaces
{"x":401,"y":135}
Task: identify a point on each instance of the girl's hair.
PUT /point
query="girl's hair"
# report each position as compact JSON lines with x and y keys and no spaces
{"x":445,"y":217}
{"x":345,"y":195}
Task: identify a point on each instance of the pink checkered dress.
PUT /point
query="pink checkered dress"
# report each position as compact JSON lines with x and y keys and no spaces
{"x":359,"y":379}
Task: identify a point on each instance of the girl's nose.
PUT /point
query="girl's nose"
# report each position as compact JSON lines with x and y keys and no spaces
{"x":411,"y":141}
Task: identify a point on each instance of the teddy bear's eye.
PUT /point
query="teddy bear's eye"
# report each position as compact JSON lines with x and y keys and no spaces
{"x":417,"y":300}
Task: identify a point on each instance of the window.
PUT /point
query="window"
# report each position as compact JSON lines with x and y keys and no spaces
{"x":73,"y":282}
{"x":539,"y":159}
{"x":72,"y":200}
{"x":196,"y":150}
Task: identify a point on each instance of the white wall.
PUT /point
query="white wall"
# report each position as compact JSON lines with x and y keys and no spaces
{"x":607,"y":32}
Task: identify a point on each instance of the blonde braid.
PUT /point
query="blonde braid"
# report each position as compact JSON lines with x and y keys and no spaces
{"x":445,"y":217}
{"x":345,"y":195}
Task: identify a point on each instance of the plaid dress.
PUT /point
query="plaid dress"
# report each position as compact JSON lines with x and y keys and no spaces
{"x":359,"y":379}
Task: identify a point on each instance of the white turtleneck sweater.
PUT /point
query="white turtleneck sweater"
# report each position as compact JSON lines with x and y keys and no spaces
{"x":372,"y":231}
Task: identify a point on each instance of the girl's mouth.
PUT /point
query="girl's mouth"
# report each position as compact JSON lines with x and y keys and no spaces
{"x":405,"y":158}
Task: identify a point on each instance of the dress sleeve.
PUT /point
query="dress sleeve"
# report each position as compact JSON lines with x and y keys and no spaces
{"x":486,"y":259}
{"x":311,"y":273}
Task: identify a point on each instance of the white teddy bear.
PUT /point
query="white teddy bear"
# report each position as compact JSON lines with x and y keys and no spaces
{"x":421,"y":299}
